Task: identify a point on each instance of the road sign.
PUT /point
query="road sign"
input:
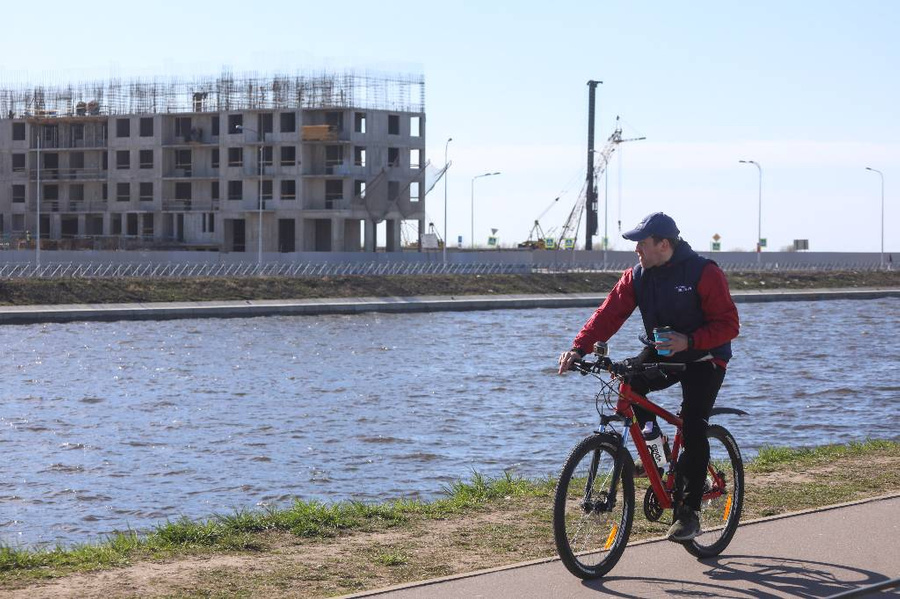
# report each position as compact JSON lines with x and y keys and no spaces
{"x":762,"y":242}
{"x":715,"y":246}
{"x":716,"y":237}
{"x":492,"y":241}
{"x":429,"y":241}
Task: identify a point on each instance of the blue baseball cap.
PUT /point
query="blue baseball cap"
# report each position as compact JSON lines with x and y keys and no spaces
{"x":659,"y":224}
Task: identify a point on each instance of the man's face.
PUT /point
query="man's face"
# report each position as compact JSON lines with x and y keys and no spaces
{"x":651,"y":253}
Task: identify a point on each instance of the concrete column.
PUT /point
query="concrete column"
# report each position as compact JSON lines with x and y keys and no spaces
{"x":337,"y":234}
{"x":370,"y":235}
{"x":299,"y":234}
{"x":392,"y":232}
{"x":82,"y":224}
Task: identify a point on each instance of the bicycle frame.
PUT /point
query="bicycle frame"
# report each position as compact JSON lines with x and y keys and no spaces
{"x":662,"y":489}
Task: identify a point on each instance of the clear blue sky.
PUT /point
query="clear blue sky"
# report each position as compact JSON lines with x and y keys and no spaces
{"x":807,"y":89}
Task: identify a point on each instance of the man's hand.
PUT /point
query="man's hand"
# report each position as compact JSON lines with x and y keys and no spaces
{"x":566,"y":359}
{"x":676,"y":343}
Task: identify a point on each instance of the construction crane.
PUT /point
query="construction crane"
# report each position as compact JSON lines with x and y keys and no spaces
{"x":537,"y":240}
{"x":569,"y":234}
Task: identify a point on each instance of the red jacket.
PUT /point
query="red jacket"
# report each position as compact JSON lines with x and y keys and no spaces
{"x":720,"y":314}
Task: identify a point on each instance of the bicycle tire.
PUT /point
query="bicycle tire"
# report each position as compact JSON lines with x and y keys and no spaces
{"x":720,"y":516}
{"x":590,"y":542}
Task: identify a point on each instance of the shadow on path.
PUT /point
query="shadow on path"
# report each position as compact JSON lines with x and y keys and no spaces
{"x":759,"y":577}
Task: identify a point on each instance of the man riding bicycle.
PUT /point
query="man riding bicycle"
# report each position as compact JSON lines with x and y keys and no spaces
{"x":673,"y":287}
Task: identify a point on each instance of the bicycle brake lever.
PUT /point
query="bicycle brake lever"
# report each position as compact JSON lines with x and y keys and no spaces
{"x":646,"y":341}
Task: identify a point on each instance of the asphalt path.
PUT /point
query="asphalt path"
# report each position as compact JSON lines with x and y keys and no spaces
{"x":819,"y":553}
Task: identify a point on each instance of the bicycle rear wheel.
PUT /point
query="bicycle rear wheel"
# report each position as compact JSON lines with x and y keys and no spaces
{"x":591,"y":524}
{"x":723,"y":495}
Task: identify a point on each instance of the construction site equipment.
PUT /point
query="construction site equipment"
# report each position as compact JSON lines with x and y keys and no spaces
{"x":537,"y":239}
{"x":569,"y":234}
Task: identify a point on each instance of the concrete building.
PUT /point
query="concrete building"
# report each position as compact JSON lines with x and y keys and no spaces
{"x":313,"y":162}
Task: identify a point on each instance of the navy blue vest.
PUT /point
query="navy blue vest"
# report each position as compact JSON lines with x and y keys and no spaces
{"x":667,"y":296}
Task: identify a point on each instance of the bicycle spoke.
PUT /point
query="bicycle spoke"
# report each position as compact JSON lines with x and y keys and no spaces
{"x":591,"y":528}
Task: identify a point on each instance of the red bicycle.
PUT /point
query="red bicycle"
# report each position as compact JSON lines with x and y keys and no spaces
{"x":593,"y":507}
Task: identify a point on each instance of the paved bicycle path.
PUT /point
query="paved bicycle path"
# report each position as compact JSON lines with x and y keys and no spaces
{"x":813,"y":554}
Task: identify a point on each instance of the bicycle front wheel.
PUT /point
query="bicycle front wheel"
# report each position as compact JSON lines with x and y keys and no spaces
{"x":723,"y":495}
{"x":591,"y":520}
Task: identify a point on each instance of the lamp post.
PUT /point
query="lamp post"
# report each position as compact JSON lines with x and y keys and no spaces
{"x":473,"y":202}
{"x":759,"y":223}
{"x":880,"y":174}
{"x":262,"y":141}
{"x":37,"y":225}
{"x":446,"y":167}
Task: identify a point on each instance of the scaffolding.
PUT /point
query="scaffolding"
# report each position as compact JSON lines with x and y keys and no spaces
{"x":227,"y":92}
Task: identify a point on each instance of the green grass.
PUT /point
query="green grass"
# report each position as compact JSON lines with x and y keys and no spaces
{"x":239,"y":531}
{"x":244,"y":531}
{"x":775,"y":458}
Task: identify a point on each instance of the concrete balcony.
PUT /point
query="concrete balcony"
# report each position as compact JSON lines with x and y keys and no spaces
{"x":169,"y":205}
{"x":68,"y":174}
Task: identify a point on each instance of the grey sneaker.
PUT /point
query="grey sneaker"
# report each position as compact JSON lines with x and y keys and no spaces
{"x":686,"y":527}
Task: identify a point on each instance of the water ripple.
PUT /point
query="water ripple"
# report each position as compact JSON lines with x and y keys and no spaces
{"x":118,"y":426}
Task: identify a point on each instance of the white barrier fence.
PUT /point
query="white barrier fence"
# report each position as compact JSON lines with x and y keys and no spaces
{"x":54,"y":270}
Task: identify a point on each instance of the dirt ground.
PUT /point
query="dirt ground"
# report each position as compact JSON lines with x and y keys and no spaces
{"x":500,"y":533}
{"x":18,"y":292}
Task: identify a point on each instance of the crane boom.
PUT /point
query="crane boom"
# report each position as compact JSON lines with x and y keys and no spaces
{"x":569,"y":234}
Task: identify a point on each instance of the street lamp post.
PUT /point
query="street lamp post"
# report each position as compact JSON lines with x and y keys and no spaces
{"x":880,"y":174}
{"x":759,"y":223}
{"x":473,"y":202}
{"x":446,"y":168}
{"x":37,"y":225}
{"x":262,"y":140}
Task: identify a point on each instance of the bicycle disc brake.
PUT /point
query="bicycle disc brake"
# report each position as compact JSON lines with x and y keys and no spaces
{"x":651,"y":506}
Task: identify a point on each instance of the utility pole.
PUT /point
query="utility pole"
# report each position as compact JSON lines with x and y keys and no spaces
{"x":591,"y":203}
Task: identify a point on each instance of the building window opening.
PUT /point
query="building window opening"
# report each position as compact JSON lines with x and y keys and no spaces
{"x":235,"y":190}
{"x":235,"y":123}
{"x":146,"y":158}
{"x":235,"y":156}
{"x":145,"y":192}
{"x":123,"y":192}
{"x":123,"y":128}
{"x":146,"y":127}
{"x":288,"y":122}
{"x":288,"y":155}
{"x":264,"y":122}
{"x":288,"y":189}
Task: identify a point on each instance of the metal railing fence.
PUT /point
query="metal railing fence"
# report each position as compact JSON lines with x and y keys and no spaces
{"x":63,"y":270}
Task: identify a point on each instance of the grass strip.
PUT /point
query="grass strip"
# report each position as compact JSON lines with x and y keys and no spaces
{"x":246,"y":531}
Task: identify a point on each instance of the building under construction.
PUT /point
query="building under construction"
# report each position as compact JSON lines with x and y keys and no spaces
{"x":306,"y":162}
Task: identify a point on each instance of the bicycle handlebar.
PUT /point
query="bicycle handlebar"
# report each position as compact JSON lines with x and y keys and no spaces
{"x":626,"y":368}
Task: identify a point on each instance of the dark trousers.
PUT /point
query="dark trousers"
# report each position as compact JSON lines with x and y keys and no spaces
{"x":700,"y":384}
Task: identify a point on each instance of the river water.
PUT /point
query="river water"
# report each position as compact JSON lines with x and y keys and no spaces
{"x":111,"y":426}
